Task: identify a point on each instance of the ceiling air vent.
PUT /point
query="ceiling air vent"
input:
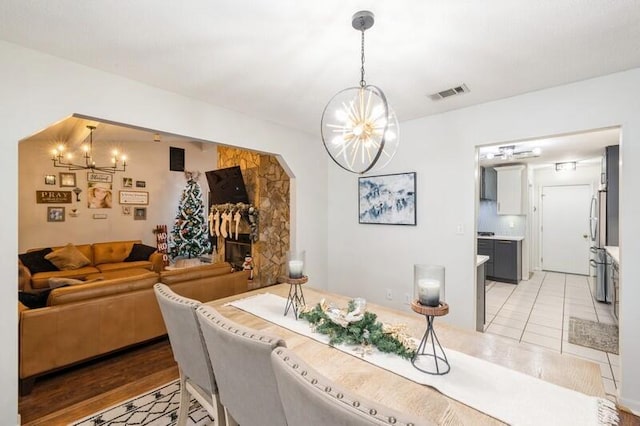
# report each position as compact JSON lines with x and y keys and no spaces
{"x":458,"y":90}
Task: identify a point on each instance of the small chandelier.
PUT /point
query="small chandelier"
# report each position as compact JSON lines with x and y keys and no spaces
{"x":118,"y":162}
{"x":359,"y":128}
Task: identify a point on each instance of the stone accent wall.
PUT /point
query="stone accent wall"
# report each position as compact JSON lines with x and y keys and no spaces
{"x":268,"y":189}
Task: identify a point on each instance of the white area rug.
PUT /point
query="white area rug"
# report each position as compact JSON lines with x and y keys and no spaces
{"x":158,"y":407}
{"x":505,"y":394}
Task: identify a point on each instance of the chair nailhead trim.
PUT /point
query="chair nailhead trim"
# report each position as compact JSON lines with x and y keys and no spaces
{"x":314,"y":381}
{"x":327,"y":389}
{"x":339,"y":396}
{"x":392,"y":420}
{"x":356,"y":404}
{"x":295,"y":366}
{"x":373,"y":412}
{"x":304,"y":373}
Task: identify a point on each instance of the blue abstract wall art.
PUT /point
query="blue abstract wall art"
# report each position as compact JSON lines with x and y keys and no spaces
{"x":387,"y":199}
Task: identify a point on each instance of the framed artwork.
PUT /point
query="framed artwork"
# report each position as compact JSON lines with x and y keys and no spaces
{"x":49,"y":179}
{"x":141,"y":184}
{"x":99,"y":216}
{"x":140,"y":213}
{"x":387,"y":199}
{"x":127,"y":182}
{"x":53,"y":197}
{"x":134,"y":197}
{"x":55,"y":214}
{"x":126,"y":210}
{"x":68,"y":179}
{"x":99,"y":177}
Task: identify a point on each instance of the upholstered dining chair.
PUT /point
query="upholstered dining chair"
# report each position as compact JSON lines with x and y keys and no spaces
{"x":196,"y":374}
{"x":241,"y":358}
{"x":310,"y":398}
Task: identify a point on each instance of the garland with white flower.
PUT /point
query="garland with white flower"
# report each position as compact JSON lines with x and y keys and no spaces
{"x":359,"y":327}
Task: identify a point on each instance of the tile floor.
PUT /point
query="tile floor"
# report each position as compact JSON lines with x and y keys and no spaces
{"x":537,"y":312}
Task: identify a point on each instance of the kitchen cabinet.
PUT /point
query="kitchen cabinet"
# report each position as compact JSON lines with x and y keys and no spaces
{"x":486,"y":248}
{"x":505,"y":259}
{"x":511,"y":189}
{"x":610,"y":181}
{"x":488,"y":182}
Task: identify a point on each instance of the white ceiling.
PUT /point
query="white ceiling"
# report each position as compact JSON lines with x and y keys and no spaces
{"x":283,"y":60}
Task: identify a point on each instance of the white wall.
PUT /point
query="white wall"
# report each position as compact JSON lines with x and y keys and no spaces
{"x":148,"y":161}
{"x":583,"y":175}
{"x":39,"y":89}
{"x":364,"y":260}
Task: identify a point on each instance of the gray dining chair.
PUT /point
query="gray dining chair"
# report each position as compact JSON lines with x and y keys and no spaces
{"x":197,"y":379}
{"x":309,"y":397}
{"x":241,"y":358}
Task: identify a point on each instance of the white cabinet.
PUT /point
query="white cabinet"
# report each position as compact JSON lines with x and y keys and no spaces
{"x":511,"y":189}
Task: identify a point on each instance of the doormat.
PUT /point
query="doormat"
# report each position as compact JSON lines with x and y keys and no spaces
{"x":594,"y":335}
{"x":158,"y":407}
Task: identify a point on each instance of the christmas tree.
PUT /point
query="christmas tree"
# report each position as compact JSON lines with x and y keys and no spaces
{"x":189,"y":237}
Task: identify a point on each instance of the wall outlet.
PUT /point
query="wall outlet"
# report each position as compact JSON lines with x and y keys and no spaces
{"x":407,"y":299}
{"x":460,"y":229}
{"x":389,"y":294}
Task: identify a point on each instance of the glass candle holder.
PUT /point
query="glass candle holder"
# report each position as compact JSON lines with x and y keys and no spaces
{"x":295,"y":264}
{"x":428,"y":284}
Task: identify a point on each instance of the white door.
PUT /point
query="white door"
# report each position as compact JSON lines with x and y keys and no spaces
{"x":565,"y":228}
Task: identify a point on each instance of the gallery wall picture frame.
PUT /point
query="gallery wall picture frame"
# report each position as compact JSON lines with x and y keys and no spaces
{"x":53,"y":197}
{"x":176,"y":159}
{"x":387,"y":199}
{"x":99,"y":177}
{"x":49,"y":179}
{"x":55,"y":214}
{"x":140,"y":213}
{"x":126,"y":210}
{"x":134,"y":197}
{"x":141,"y":184}
{"x":127,"y":182}
{"x":67,"y":180}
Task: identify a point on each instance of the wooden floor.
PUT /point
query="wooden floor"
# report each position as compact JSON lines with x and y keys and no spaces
{"x":74,"y":393}
{"x":69,"y":395}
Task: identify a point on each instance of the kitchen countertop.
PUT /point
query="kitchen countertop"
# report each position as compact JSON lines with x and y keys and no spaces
{"x":501,"y":237}
{"x":481,"y":259}
{"x":614,"y":252}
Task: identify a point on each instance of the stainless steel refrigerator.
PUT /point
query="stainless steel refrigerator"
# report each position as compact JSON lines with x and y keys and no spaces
{"x":598,"y":230}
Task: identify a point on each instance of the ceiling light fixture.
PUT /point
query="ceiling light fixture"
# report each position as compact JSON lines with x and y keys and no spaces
{"x":89,"y":163}
{"x":359,"y":128}
{"x":568,"y":165}
{"x":509,"y":152}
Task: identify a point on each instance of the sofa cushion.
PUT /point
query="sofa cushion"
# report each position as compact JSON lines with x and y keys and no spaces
{"x":35,"y":261}
{"x":40,"y":280}
{"x":140,"y":252}
{"x":67,"y":258}
{"x":56,"y":282}
{"x":112,"y":252}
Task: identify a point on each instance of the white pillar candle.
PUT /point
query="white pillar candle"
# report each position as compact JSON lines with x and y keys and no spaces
{"x":295,"y":268}
{"x":429,"y":292}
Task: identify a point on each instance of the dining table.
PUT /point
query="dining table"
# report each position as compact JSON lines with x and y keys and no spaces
{"x":352,"y":372}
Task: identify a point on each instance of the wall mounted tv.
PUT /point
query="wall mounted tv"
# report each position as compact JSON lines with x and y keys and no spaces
{"x":227,"y":186}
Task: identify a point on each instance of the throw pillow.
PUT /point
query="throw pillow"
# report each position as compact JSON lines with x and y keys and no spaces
{"x":68,"y":257}
{"x":34,"y":300}
{"x":35,"y":261}
{"x":140,"y":252}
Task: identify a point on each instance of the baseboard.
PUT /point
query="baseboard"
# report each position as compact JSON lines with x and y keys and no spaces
{"x":630,"y":406}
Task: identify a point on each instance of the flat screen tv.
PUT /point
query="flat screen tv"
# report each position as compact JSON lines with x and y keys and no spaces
{"x":227,"y":186}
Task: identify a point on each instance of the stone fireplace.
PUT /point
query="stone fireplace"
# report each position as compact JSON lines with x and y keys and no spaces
{"x":267,"y":185}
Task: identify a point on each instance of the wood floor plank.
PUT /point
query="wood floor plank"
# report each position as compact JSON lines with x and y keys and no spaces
{"x":85,"y":382}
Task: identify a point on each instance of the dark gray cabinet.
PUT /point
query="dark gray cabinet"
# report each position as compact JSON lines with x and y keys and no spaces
{"x":505,"y":259}
{"x":485,"y":248}
{"x":611,"y":176}
{"x":488,"y":184}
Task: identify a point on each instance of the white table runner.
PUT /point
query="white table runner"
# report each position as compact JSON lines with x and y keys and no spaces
{"x":508,"y":395}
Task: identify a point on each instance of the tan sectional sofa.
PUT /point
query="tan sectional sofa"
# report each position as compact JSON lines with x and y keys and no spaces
{"x":84,"y":321}
{"x":103,"y":257}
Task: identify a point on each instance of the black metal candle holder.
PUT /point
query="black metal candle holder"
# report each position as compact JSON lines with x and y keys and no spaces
{"x":434,"y":350}
{"x":295,"y":299}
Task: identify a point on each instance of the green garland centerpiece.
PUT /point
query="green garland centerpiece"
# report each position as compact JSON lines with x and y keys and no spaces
{"x":356,"y":326}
